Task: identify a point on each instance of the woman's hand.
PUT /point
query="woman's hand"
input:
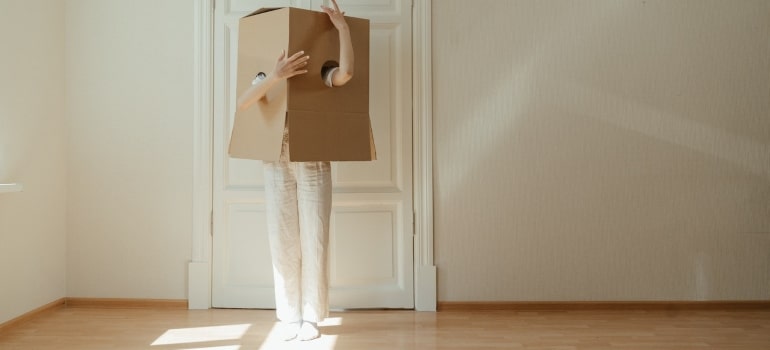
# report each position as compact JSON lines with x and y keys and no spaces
{"x":336,"y":16}
{"x":287,"y":67}
{"x":345,"y":72}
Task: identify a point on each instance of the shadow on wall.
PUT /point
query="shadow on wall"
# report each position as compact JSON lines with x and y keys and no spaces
{"x":609,"y":132}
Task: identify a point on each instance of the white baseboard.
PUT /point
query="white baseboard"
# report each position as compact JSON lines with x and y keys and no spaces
{"x":425,"y":293}
{"x":199,"y":286}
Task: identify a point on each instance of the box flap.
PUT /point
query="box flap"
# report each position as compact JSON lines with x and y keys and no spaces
{"x":258,"y":131}
{"x":262,"y":10}
{"x":313,"y":136}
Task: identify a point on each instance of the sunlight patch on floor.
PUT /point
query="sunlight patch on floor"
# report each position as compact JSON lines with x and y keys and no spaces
{"x":331,"y":321}
{"x":202,"y":334}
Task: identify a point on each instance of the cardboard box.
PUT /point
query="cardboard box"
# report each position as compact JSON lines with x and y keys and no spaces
{"x":325,"y":124}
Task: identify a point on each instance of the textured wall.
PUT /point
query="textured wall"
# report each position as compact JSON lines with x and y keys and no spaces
{"x":602,"y":150}
{"x":32,"y":152}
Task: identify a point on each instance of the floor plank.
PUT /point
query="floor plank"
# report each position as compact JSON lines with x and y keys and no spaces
{"x":84,"y":329}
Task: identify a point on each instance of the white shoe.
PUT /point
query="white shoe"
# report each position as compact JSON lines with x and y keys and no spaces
{"x":309,"y":331}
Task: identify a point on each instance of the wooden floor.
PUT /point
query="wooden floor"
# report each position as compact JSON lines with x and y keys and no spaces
{"x":83,"y":329}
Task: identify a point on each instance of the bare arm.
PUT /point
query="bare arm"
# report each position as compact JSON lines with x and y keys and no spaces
{"x":345,"y":72}
{"x":285,"y":68}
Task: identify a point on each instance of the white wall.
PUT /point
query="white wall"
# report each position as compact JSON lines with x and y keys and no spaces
{"x":129,"y":98}
{"x":32,"y":152}
{"x":602,"y":150}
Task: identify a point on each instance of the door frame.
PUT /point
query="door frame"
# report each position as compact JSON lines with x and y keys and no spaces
{"x":199,"y":267}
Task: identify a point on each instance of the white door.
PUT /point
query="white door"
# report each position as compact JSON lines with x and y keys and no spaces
{"x":371,"y":256}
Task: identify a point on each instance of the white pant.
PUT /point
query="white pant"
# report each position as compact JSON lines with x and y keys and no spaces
{"x":298,"y":200}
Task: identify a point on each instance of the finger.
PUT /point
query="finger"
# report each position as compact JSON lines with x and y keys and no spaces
{"x":299,"y":67}
{"x":294,"y":56}
{"x":336,"y":7}
{"x":297,"y":72}
{"x":299,"y":61}
{"x":283,"y":54}
{"x":295,"y":64}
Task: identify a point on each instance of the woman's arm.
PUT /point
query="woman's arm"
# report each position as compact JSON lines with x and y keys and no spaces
{"x":345,"y":71}
{"x":285,"y":68}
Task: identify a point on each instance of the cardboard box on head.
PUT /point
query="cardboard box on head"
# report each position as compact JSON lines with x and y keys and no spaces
{"x":325,"y":124}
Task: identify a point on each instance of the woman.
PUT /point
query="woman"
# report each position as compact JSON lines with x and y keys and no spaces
{"x":298,"y":199}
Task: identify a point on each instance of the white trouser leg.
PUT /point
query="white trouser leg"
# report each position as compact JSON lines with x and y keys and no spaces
{"x":314,"y":195}
{"x":283,"y":235}
{"x":298,"y":202}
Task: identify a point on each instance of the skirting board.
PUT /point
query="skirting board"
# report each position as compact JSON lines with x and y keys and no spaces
{"x":603,"y":305}
{"x":109,"y":303}
{"x":54,"y":305}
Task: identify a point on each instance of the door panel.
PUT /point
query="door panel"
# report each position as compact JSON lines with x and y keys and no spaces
{"x":371,"y":226}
